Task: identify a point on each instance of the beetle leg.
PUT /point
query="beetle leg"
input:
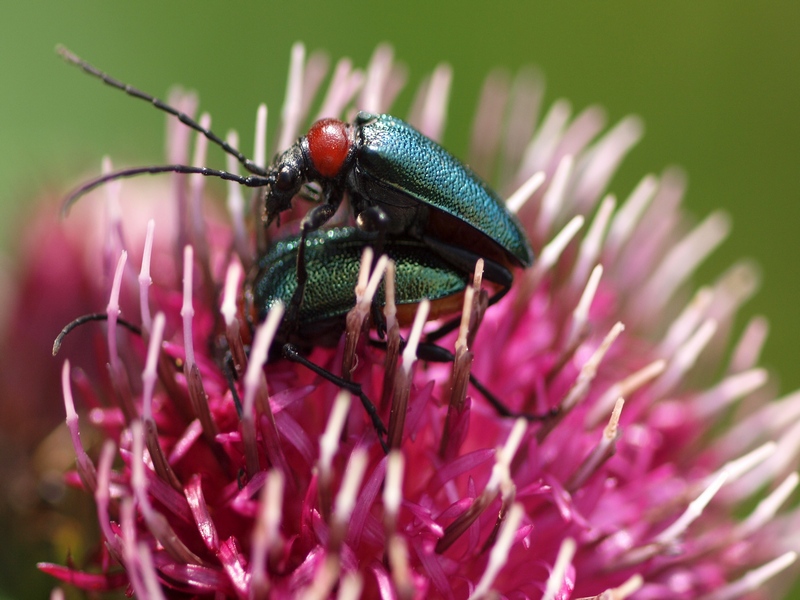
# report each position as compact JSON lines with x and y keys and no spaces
{"x":230,"y":376}
{"x":291,"y":352}
{"x":374,"y":219}
{"x":313,"y":220}
{"x":465,"y":260}
{"x":504,"y":411}
{"x":433,"y":353}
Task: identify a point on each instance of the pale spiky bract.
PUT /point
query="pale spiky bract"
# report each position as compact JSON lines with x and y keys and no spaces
{"x":628,"y":490}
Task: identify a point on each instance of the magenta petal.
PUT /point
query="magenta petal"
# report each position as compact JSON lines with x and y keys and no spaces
{"x":467,"y":463}
{"x":383,"y":579}
{"x":364,"y":503}
{"x":196,"y":579}
{"x":432,"y":564}
{"x":199,"y":508}
{"x":96,"y":582}
{"x":186,"y":441}
{"x":303,"y":575}
{"x":234,"y":565}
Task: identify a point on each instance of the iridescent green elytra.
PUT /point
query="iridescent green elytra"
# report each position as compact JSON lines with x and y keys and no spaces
{"x":396,"y":164}
{"x":333,"y":257}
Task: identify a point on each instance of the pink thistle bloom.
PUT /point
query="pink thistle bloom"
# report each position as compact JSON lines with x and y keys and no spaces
{"x":628,"y":489}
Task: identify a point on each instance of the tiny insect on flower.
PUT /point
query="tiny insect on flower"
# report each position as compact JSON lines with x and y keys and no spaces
{"x":248,"y":477}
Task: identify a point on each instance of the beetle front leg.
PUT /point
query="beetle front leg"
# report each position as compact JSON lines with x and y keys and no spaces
{"x":313,"y":220}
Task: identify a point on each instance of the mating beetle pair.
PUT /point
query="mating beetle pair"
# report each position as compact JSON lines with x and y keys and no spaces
{"x":400,"y":183}
{"x":333,"y":259}
{"x":410,"y":198}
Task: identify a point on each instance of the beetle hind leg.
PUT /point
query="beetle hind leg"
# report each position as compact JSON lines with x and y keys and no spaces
{"x":291,"y":353}
{"x":374,"y":219}
{"x":434,"y":353}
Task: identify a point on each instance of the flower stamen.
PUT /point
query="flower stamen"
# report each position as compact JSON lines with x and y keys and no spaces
{"x":86,"y":469}
{"x":255,"y":385}
{"x":145,"y":281}
{"x":235,"y":203}
{"x":754,"y":579}
{"x":553,"y":198}
{"x":681,"y":261}
{"x":592,"y":244}
{"x":525,"y":192}
{"x":429,"y":110}
{"x":627,"y":217}
{"x":499,"y":554}
{"x":500,"y":478}
{"x":266,"y":535}
{"x":290,"y":117}
{"x":559,"y":584}
{"x":582,"y":383}
{"x":604,"y":450}
{"x":160,"y":463}
{"x":392,"y":337}
{"x":748,"y":350}
{"x":228,"y":309}
{"x":623,"y":389}
{"x":328,"y":446}
{"x":356,"y":319}
{"x":684,"y":359}
{"x":402,"y":386}
{"x":156,"y":522}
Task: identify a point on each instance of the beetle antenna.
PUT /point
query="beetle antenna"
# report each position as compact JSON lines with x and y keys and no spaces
{"x":85,"y":319}
{"x":161,"y":105}
{"x":247,"y":181}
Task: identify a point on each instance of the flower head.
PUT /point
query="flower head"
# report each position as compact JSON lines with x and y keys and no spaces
{"x":225,"y":473}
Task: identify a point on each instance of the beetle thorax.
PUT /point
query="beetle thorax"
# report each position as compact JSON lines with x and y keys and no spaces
{"x":329,"y":145}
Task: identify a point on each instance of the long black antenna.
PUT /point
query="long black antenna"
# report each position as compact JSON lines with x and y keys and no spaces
{"x":247,"y":181}
{"x":161,"y":105}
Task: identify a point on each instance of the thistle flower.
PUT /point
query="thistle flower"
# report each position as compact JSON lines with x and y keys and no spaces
{"x":629,"y":488}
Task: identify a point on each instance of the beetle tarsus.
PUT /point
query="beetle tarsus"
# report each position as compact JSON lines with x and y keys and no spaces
{"x":504,"y":411}
{"x":434,"y":353}
{"x":293,"y":354}
{"x":230,"y":376}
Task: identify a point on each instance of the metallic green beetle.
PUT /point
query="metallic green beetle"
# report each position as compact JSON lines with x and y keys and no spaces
{"x":400,"y":183}
{"x":333,"y":258}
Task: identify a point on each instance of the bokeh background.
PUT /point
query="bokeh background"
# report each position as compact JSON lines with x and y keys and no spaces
{"x":717,"y":83}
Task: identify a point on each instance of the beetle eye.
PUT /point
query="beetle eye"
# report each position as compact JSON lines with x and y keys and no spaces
{"x":286,"y":180}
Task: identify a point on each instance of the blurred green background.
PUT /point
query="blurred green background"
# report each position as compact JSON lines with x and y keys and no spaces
{"x":717,"y":83}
